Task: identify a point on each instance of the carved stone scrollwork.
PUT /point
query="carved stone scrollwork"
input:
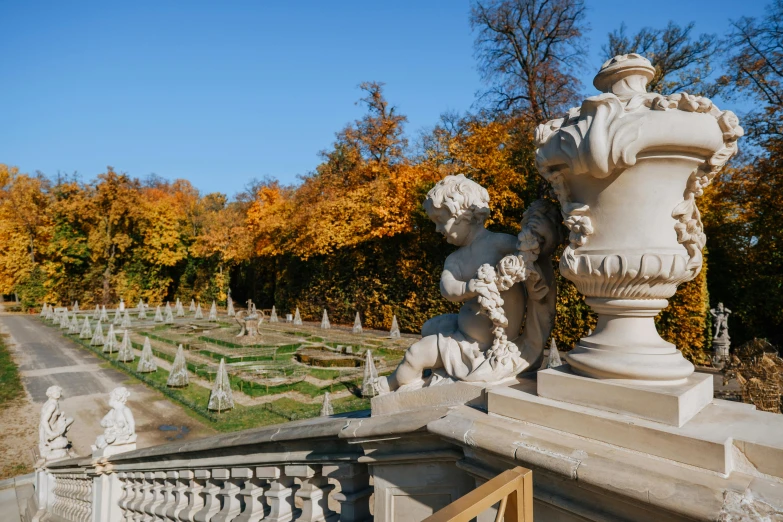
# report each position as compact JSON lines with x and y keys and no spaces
{"x":618,"y":164}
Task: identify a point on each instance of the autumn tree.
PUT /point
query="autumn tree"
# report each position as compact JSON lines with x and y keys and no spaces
{"x":527,"y":52}
{"x":683,"y":61}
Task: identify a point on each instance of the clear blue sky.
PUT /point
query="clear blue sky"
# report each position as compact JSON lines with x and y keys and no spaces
{"x":223,"y":92}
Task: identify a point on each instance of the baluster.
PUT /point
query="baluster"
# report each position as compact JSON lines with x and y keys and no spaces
{"x":161,"y":507}
{"x":73,"y":504}
{"x":252,"y":493}
{"x":279,"y":495}
{"x":355,"y":490}
{"x":231,"y":506}
{"x":210,"y":494}
{"x":147,"y":497}
{"x":314,"y":493}
{"x":86,"y":499}
{"x":58,"y":492}
{"x":157,"y":496}
{"x":193,"y":492}
{"x":178,"y":500}
{"x":134,"y":506}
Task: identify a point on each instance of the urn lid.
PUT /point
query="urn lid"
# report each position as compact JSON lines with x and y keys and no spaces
{"x":625,"y":75}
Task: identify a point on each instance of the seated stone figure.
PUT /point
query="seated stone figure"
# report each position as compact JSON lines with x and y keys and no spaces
{"x":120,"y":427}
{"x":482,"y":342}
{"x":52,"y":440}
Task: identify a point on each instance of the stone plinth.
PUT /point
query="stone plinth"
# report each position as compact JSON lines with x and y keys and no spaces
{"x":112,"y":449}
{"x":671,"y":404}
{"x":451,"y":394}
{"x":723,"y":437}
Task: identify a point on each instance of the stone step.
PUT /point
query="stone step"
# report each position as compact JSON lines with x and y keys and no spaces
{"x":722,"y":437}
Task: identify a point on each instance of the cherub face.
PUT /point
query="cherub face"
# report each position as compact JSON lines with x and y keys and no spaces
{"x":456,"y":229}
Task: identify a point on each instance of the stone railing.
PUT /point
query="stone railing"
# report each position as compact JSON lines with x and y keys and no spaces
{"x":301,"y":471}
{"x":420,"y":451}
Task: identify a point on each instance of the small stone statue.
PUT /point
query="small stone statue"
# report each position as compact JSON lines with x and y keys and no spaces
{"x":119,"y":432}
{"x":721,"y":342}
{"x":502,"y":285}
{"x":53,"y":443}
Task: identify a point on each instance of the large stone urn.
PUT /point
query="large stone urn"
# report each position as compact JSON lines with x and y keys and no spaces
{"x":627,"y":166}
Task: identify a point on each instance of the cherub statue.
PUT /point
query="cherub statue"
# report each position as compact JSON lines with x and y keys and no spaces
{"x":52,"y":440}
{"x":721,"y":315}
{"x":482,"y":343}
{"x":120,"y":427}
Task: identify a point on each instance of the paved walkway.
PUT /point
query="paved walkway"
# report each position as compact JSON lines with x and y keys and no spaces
{"x":47,"y":358}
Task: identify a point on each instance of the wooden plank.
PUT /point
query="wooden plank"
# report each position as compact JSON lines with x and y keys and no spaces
{"x":510,"y":483}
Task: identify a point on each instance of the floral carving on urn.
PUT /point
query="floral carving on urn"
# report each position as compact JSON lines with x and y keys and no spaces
{"x":627,"y":167}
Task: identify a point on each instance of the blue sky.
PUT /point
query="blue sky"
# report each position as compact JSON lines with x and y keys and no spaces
{"x":223,"y":92}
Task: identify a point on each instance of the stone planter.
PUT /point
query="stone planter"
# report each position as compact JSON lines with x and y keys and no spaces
{"x":627,"y":167}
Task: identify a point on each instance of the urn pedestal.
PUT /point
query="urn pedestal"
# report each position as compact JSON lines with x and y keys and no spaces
{"x":626,"y":167}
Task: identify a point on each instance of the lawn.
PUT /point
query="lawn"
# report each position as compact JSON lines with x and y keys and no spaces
{"x":10,"y":383}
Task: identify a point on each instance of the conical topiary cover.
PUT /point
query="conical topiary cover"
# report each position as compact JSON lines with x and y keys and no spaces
{"x":96,"y":315}
{"x":230,"y":308}
{"x":143,"y":311}
{"x":273,"y":316}
{"x":126,"y":320}
{"x":158,"y":315}
{"x":126,"y":349}
{"x":140,"y":306}
{"x":74,"y":328}
{"x":326,"y":409}
{"x":44,"y":308}
{"x":357,"y":324}
{"x":104,"y":314}
{"x":213,"y":312}
{"x":221,"y":398}
{"x":394,"y":332}
{"x":297,"y":317}
{"x":370,"y":376}
{"x":146,"y":361}
{"x":169,"y":315}
{"x":117,"y":317}
{"x":110,"y":343}
{"x":553,"y":359}
{"x":178,"y":376}
{"x":325,"y":321}
{"x":97,"y":336}
{"x":179,"y":309}
{"x":199,"y":314}
{"x":76,"y":306}
{"x":86,"y":331}
{"x":192,"y":305}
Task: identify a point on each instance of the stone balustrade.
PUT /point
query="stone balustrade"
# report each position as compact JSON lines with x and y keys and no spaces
{"x":420,"y":451}
{"x":302,"y":471}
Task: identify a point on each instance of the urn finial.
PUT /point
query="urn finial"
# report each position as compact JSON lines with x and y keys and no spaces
{"x":625,"y":75}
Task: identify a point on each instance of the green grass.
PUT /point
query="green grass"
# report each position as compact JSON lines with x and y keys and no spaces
{"x":194,"y":398}
{"x":10,"y":383}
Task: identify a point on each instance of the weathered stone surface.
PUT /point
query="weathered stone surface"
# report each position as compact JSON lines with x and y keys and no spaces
{"x":449,"y":394}
{"x":326,"y":408}
{"x":119,"y":434}
{"x":53,"y":442}
{"x":628,"y":192}
{"x":672,"y":404}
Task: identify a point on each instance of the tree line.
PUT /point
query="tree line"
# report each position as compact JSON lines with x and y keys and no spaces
{"x":352,"y":235}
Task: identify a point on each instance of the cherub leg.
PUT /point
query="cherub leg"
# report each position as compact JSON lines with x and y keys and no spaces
{"x":420,"y":356}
